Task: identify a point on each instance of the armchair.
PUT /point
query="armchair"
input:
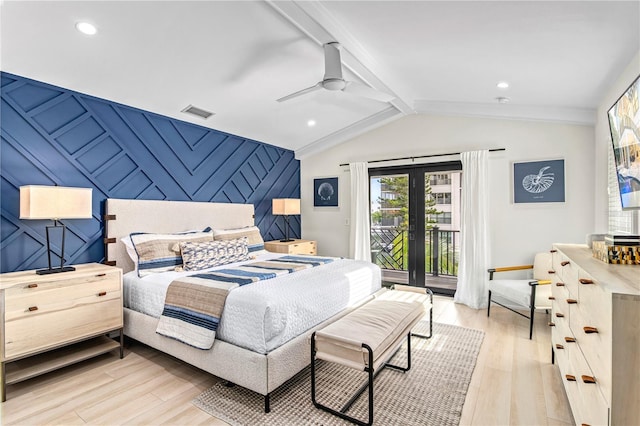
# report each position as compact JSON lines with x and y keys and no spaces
{"x":531,"y":294}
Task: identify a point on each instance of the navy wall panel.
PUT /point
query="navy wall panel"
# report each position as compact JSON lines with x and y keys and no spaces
{"x":55,"y":136}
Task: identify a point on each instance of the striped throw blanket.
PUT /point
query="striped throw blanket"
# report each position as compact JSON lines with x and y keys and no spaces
{"x":193,"y":304}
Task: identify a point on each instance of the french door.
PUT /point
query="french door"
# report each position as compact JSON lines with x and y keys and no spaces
{"x":415,"y":224}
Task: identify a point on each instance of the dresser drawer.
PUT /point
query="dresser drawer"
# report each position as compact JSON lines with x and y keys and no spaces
{"x":587,"y":402}
{"x":563,"y":267}
{"x":41,"y":330}
{"x":594,"y":303}
{"x":590,"y":321}
{"x":560,"y":319}
{"x":570,"y":278}
{"x":561,"y":335}
{"x":561,"y":347}
{"x":560,"y":294}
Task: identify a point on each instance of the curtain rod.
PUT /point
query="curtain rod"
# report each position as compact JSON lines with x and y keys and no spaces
{"x":422,"y":156}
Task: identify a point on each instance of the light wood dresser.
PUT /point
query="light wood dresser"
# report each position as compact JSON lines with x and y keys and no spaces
{"x":596,"y":336}
{"x":51,"y":321}
{"x":292,"y":247}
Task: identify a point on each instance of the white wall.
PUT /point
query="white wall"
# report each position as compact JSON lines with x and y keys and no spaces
{"x":603,"y":141}
{"x":518,"y":231}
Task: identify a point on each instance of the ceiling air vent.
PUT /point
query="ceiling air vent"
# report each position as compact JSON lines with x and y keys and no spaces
{"x":197,"y":112}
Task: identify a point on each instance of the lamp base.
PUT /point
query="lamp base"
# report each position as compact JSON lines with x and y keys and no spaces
{"x":55,"y":270}
{"x":288,"y":240}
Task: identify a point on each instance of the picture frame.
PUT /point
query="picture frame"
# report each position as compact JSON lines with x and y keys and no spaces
{"x":539,"y":181}
{"x":325,"y":192}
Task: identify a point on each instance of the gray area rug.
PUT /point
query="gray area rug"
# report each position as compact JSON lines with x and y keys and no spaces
{"x":431,"y":393}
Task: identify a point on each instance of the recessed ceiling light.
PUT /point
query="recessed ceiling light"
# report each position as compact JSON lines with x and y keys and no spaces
{"x":502,"y":100}
{"x":86,"y":28}
{"x":502,"y":85}
{"x":311,"y":123}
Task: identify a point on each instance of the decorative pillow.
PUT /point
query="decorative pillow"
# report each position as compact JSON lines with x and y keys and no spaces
{"x":131,"y":250}
{"x":202,"y":255}
{"x":255,"y":241}
{"x":161,"y":252}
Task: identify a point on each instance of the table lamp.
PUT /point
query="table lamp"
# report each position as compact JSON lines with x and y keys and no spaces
{"x":285,"y":207}
{"x":55,"y":203}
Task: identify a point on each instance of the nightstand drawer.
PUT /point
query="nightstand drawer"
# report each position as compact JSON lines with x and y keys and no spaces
{"x":41,"y":330}
{"x":308,"y":247}
{"x":37,"y":298}
{"x":292,"y":247}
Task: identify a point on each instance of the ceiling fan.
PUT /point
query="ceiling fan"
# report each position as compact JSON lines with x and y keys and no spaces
{"x":333,"y":79}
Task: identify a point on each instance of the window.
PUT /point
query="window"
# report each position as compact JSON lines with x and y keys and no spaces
{"x":442,"y":197}
{"x":440,"y":179}
{"x":444,"y":218}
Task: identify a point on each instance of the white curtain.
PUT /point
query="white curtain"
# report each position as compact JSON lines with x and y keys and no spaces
{"x":359,"y":242}
{"x":474,"y":244}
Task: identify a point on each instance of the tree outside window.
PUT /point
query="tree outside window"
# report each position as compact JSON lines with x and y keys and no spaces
{"x":394,"y":203}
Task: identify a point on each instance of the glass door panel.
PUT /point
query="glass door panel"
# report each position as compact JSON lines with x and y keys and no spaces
{"x":442,"y":230}
{"x":389,"y":197}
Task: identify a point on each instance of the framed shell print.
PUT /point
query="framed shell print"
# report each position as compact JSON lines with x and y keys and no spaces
{"x":538,"y":182}
{"x":325,"y":192}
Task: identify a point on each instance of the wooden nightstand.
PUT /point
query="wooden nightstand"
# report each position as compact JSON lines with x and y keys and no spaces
{"x":292,"y":247}
{"x":51,"y":321}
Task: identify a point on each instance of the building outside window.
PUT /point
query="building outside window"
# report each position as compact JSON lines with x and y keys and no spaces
{"x":442,"y":218}
{"x":440,"y":179}
{"x":442,"y":197}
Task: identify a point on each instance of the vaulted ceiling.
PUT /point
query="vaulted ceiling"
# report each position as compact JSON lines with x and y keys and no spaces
{"x":235,"y":58}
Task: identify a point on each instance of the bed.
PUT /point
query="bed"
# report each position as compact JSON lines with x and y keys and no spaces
{"x":280,"y":347}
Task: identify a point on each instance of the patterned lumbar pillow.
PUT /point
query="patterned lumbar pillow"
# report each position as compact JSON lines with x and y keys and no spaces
{"x":160,"y":252}
{"x":254,"y":238}
{"x":203,"y":255}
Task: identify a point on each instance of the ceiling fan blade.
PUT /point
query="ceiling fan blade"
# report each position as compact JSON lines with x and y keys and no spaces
{"x":364,"y":91}
{"x":313,"y":88}
{"x":332,"y":63}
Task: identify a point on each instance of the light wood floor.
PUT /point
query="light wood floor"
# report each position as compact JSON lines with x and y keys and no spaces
{"x":513,"y":383}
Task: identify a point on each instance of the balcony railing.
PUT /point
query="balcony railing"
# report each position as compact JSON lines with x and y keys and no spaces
{"x":389,"y":250}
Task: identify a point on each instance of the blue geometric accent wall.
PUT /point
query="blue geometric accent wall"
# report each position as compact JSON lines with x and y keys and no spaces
{"x":55,"y":136}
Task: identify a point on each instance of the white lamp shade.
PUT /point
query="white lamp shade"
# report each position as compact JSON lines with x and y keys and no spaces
{"x":55,"y":202}
{"x":285,"y":206}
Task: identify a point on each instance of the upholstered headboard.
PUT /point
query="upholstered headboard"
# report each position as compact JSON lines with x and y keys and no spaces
{"x":126,"y":216}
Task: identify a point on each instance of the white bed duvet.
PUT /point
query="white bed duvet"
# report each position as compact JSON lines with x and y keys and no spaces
{"x":264,"y":315}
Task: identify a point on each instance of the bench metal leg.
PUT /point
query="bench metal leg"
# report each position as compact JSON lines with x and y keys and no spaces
{"x":408,"y":367}
{"x":368,"y":384}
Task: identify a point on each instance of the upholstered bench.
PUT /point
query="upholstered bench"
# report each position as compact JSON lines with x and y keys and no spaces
{"x":366,"y":339}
